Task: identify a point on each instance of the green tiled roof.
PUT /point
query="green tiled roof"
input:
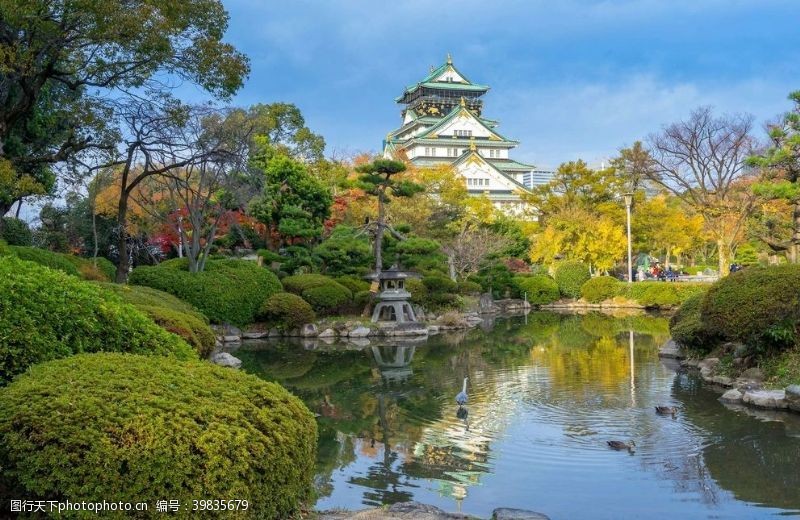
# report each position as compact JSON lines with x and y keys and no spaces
{"x":453,"y":113}
{"x":509,"y":164}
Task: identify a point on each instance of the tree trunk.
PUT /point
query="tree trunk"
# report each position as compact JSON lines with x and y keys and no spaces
{"x":794,"y":249}
{"x":724,"y":253}
{"x":122,"y":241}
{"x":379,"y":234}
{"x":666,"y":258}
{"x":19,"y":208}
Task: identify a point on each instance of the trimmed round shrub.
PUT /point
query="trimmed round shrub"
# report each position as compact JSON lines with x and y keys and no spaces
{"x":106,"y":266}
{"x":287,"y":311}
{"x":134,"y":428}
{"x":46,"y":314}
{"x":354,"y":283}
{"x":418,"y":291}
{"x":660,"y":294}
{"x":759,"y":306}
{"x":327,"y":299}
{"x":599,"y":288}
{"x":228,"y":291}
{"x":439,"y":284}
{"x":298,"y":283}
{"x":141,"y":296}
{"x":686,"y":327}
{"x":570,"y":276}
{"x":361,"y":299}
{"x":46,"y":258}
{"x":468,"y":288}
{"x":540,"y":289}
{"x":15,"y":232}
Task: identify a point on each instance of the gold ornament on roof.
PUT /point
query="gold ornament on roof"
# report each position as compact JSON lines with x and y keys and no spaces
{"x":472,"y":146}
{"x":463,"y":101}
{"x":449,"y":59}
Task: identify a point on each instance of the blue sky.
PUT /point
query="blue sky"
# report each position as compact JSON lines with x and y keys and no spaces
{"x":570,"y":79}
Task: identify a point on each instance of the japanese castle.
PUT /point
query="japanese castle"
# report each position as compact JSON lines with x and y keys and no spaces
{"x":443,"y":124}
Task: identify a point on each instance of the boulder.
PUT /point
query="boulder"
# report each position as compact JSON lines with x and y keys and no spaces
{"x":309,"y":330}
{"x":433,"y":329}
{"x":231,"y":339}
{"x":226,"y":360}
{"x":734,"y":395}
{"x":506,"y":513}
{"x":722,"y":381}
{"x":274,"y":333}
{"x":754,"y":374}
{"x":671,"y":350}
{"x":793,"y":397}
{"x":255,"y":334}
{"x":359,"y":332}
{"x":766,"y":398}
{"x":327,"y":333}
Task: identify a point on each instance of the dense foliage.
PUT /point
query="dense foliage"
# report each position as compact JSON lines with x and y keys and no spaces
{"x":46,"y":314}
{"x":660,"y":294}
{"x":344,"y":252}
{"x":328,"y":299}
{"x":570,"y":276}
{"x":759,"y":306}
{"x":227,"y":291}
{"x":169,"y":313}
{"x":687,"y":328}
{"x":540,"y":289}
{"x":15,"y":232}
{"x":600,"y":288}
{"x":286,"y":311}
{"x":132,"y":428}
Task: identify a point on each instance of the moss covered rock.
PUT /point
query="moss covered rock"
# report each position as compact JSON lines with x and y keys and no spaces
{"x":134,"y":428}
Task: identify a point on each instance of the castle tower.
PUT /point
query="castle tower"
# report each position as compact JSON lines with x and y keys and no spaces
{"x":443,"y":123}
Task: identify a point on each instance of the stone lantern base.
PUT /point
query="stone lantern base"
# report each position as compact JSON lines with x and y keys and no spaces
{"x":396,"y":311}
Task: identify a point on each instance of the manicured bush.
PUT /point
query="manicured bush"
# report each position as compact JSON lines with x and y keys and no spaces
{"x":46,"y":314}
{"x":15,"y":232}
{"x":106,"y":266}
{"x":686,"y":326}
{"x":660,"y":294}
{"x":287,"y":311}
{"x":759,"y":306}
{"x":228,"y":291}
{"x":540,"y":289}
{"x":570,"y":276}
{"x":134,"y":428}
{"x":170,"y":313}
{"x":439,"y":284}
{"x":361,"y":299}
{"x":329,"y":298}
{"x":468,"y":288}
{"x":87,"y":268}
{"x":418,"y":291}
{"x":300,"y":282}
{"x":345,"y":252}
{"x":354,"y":283}
{"x":46,"y":258}
{"x":599,"y":288}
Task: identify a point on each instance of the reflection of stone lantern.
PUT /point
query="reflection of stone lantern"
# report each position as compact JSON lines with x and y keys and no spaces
{"x":393,"y":297}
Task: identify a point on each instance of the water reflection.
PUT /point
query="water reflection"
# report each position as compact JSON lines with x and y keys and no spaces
{"x":544,"y":397}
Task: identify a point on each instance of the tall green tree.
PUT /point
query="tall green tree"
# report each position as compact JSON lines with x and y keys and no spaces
{"x":781,"y":164}
{"x":60,"y":61}
{"x":293,"y":205}
{"x":380,"y":179}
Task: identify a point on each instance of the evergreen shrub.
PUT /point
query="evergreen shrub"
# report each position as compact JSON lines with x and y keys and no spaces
{"x":58,"y":261}
{"x":759,"y":306}
{"x":468,"y":288}
{"x":328,"y":299}
{"x":600,"y":288}
{"x":686,"y":326}
{"x":660,"y":294}
{"x":540,"y":289}
{"x":15,"y":232}
{"x":136,"y":428}
{"x":46,"y":314}
{"x":287,"y":311}
{"x":570,"y":276}
{"x":227,"y":291}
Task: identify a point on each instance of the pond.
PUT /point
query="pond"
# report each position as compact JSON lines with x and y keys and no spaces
{"x":546,"y":391}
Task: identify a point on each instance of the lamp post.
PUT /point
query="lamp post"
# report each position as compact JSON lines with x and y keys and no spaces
{"x":628,"y":202}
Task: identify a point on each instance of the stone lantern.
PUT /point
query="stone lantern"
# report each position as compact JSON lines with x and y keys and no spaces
{"x":393,"y":304}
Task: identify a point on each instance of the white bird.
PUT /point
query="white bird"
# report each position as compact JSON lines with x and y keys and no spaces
{"x":461,"y":398}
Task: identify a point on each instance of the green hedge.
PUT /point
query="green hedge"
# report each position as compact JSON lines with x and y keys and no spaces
{"x":298,"y":283}
{"x":328,"y":299}
{"x":46,"y":258}
{"x":600,"y":288}
{"x":570,"y":276}
{"x":540,"y":289}
{"x":46,"y":314}
{"x":354,"y":283}
{"x":439,"y":284}
{"x":228,"y":291}
{"x":139,"y":295}
{"x":287,"y":311}
{"x":15,"y":232}
{"x":686,"y":326}
{"x":759,"y":306}
{"x":468,"y":288}
{"x":133,"y":428}
{"x":660,"y":294}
